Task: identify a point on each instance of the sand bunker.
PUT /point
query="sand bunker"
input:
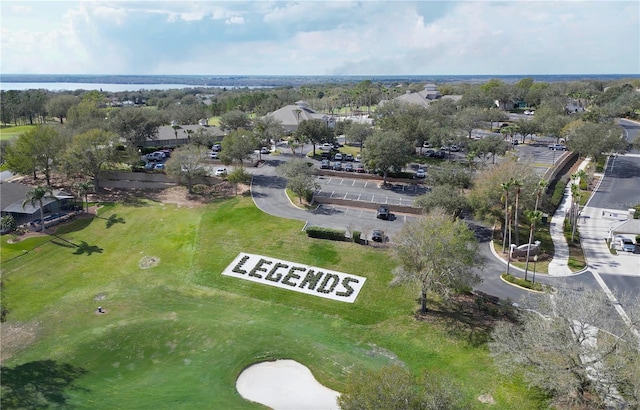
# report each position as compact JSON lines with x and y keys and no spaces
{"x":285,"y":385}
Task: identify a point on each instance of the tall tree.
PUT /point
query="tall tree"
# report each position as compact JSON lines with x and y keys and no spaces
{"x":268,"y":129}
{"x":90,"y":152}
{"x":186,"y":163}
{"x":37,"y":195}
{"x":83,"y":189}
{"x":238,"y":145}
{"x":136,"y":125}
{"x":567,"y":347}
{"x":38,"y":149}
{"x":596,"y":140}
{"x":300,"y":178}
{"x":316,"y":131}
{"x":59,"y":105}
{"x":386,"y":151}
{"x":357,"y":133}
{"x":436,"y":253}
{"x":234,"y":120}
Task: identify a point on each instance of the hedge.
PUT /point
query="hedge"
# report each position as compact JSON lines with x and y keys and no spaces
{"x":327,"y":233}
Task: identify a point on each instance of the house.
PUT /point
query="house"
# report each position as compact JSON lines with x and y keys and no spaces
{"x":168,"y":136}
{"x":628,"y":226}
{"x":12,"y":195}
{"x":290,"y":116}
{"x":425,"y":97}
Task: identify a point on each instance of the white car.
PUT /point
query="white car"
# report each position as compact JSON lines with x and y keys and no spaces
{"x":214,"y":155}
{"x":326,"y":147}
{"x":338,"y":157}
{"x":264,"y":150}
{"x":421,"y":173}
{"x":221,"y":172}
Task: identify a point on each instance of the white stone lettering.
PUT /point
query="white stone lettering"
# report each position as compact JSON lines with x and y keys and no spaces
{"x":311,"y":280}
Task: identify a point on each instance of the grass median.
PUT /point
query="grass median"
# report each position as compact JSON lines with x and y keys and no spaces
{"x":177,"y":335}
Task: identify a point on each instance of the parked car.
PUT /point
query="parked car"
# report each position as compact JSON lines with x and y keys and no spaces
{"x":325,"y":164}
{"x":429,"y":153}
{"x":155,"y":156}
{"x":420,"y":173}
{"x":358,"y":158}
{"x":426,"y":144}
{"x":221,"y":172}
{"x":360,"y":169}
{"x":557,"y":147}
{"x":337,"y":166}
{"x":216,"y":147}
{"x":383,"y":213}
{"x":326,"y":147}
{"x":626,"y":244}
{"x":159,"y":167}
{"x":348,"y":167}
{"x":454,"y":148}
{"x":377,"y":236}
{"x":348,"y":157}
{"x":214,"y":155}
{"x":338,"y":157}
{"x":439,"y":154}
{"x":264,"y":150}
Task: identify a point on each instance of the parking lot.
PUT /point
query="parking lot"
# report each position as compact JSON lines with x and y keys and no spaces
{"x":366,"y":190}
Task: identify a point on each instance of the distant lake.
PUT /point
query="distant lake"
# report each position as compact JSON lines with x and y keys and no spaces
{"x":104,"y":87}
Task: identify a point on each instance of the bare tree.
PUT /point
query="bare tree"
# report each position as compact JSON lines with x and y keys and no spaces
{"x":573,"y":346}
{"x":436,"y":253}
{"x":395,"y":388}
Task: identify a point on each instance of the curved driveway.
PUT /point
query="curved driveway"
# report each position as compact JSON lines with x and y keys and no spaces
{"x":269,"y":196}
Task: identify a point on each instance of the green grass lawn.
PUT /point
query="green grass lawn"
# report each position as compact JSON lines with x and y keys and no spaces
{"x":177,"y":335}
{"x":8,"y":132}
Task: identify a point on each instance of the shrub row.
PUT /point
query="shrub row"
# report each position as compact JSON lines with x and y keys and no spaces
{"x":558,"y":194}
{"x":521,"y":282}
{"x":327,"y":233}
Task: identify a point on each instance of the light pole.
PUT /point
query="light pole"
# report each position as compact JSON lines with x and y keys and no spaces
{"x":535,"y":260}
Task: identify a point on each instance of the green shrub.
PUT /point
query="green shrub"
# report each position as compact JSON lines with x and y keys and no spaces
{"x":326,"y":233}
{"x":600,"y":164}
{"x":522,"y":283}
{"x":558,"y":194}
{"x":356,"y":236}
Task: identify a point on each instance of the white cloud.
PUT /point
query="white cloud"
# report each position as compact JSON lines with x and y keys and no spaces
{"x":332,"y":37}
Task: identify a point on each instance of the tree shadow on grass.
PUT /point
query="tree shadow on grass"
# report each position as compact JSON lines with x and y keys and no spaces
{"x":469,"y":317}
{"x":37,"y":385}
{"x":115,"y":219}
{"x":86,"y":248}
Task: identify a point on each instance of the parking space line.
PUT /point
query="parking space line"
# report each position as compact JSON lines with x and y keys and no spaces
{"x":332,"y":192}
{"x":359,"y":195}
{"x":346,"y":196}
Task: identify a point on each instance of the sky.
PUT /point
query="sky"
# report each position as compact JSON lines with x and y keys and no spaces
{"x":320,"y":37}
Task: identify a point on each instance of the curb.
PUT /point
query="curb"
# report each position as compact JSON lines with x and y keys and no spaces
{"x":521,"y":287}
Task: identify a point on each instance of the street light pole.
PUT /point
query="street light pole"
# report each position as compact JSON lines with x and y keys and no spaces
{"x":535,"y":260}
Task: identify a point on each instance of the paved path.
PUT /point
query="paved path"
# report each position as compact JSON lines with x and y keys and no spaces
{"x":559,"y":264}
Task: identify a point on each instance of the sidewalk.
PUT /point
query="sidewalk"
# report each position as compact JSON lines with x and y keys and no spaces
{"x":558,"y":266}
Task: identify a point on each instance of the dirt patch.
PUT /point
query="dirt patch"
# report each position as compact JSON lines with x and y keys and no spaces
{"x":147,"y":262}
{"x":15,"y":337}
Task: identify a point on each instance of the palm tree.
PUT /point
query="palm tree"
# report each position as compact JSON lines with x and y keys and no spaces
{"x":518,"y":184}
{"x":37,"y":195}
{"x":505,"y":188}
{"x":84,"y":188}
{"x":533,"y":217}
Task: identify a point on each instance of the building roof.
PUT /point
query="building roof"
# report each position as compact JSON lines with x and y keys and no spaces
{"x":13,"y":195}
{"x":292,"y":115}
{"x":166,"y":132}
{"x":630,"y":226}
